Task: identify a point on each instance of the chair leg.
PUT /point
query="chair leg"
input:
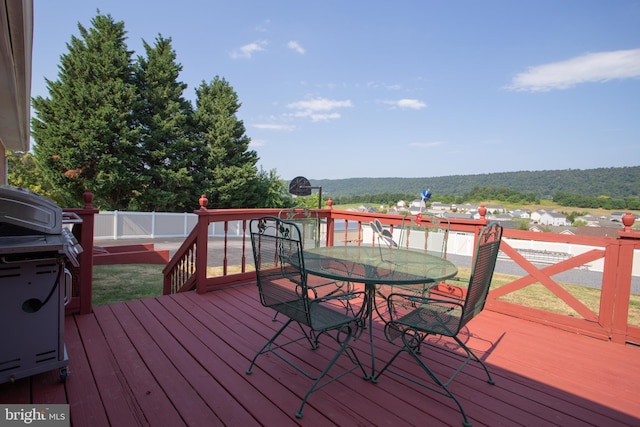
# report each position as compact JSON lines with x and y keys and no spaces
{"x":476,"y":358}
{"x":344,"y":348}
{"x":412,"y":342}
{"x":265,"y":348}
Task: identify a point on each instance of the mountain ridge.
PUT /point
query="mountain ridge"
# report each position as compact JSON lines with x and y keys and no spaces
{"x":615,"y":182}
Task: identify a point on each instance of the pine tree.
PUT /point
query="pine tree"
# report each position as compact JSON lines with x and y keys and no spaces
{"x":233,"y":175}
{"x":84,"y":134}
{"x":169,"y":159}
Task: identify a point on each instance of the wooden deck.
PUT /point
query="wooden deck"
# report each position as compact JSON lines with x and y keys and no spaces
{"x":181,"y":360}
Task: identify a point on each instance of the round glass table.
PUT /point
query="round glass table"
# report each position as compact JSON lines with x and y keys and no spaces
{"x":376,"y":266}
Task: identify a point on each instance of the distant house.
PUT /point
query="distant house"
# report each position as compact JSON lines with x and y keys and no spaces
{"x":468,"y":207}
{"x":598,"y":231}
{"x":440,"y":207}
{"x":554,"y":218}
{"x":458,"y":215}
{"x":552,"y":229}
{"x":416,"y":203}
{"x":521,"y":213}
{"x":499,"y":217}
{"x":497,"y":209}
{"x":535,"y":216}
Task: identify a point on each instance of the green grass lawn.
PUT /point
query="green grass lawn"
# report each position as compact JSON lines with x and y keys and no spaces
{"x":125,"y":282}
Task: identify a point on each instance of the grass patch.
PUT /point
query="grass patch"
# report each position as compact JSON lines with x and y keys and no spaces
{"x":126,"y":282}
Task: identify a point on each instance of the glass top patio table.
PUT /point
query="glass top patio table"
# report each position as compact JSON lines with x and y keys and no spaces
{"x":378,"y":266}
{"x":375,"y":266}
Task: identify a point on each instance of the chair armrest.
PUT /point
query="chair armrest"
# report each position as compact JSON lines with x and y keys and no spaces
{"x":337,"y":301}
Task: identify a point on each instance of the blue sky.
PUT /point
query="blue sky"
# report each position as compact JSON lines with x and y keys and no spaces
{"x":342,"y":89}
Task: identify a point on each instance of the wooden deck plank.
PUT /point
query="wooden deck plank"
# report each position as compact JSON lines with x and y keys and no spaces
{"x":115,"y":394}
{"x":154,"y":402}
{"x":182,"y":360}
{"x":83,"y":396}
{"x":411,"y":411}
{"x":221,"y":360}
{"x":187,"y":361}
{"x":249,"y":341}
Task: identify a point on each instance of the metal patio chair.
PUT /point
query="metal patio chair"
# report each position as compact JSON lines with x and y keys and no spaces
{"x":282,"y":285}
{"x":308,"y":223}
{"x":424,"y":232}
{"x":413,"y":318}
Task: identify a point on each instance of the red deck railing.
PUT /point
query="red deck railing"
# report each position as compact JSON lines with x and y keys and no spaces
{"x":187,"y":272}
{"x":188,"y":268}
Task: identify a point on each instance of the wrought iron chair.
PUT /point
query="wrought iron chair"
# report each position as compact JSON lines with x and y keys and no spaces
{"x":428,"y":233}
{"x":413,"y":318}
{"x":423,"y":232}
{"x":282,"y":284}
{"x":308,"y":223}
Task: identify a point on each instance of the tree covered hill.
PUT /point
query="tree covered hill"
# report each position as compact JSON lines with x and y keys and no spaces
{"x":612,"y":182}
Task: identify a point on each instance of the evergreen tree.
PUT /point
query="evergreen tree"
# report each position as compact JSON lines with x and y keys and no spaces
{"x":167,"y":154}
{"x":232,"y":173}
{"x":272,"y":191}
{"x":84,"y":134}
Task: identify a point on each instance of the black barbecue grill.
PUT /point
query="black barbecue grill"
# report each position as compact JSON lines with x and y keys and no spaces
{"x":35,"y":246}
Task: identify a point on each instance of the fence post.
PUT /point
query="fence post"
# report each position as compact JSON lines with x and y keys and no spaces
{"x":628,"y":240}
{"x":115,"y":225}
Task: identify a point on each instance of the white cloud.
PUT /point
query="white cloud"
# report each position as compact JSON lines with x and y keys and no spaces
{"x":296,"y":46}
{"x":592,"y":67}
{"x":267,"y":126}
{"x":319,"y":109}
{"x":257,"y":143}
{"x":320,"y":104}
{"x":413,"y":104}
{"x":248,"y":50}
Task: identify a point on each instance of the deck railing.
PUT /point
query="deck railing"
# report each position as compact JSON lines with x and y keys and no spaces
{"x":189,"y":269}
{"x":203,"y":264}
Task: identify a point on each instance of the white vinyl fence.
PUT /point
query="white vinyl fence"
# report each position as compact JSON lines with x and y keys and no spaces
{"x":118,"y":225}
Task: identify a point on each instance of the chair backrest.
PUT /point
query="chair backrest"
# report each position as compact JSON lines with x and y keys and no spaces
{"x":280,"y":273}
{"x":428,"y":233}
{"x":307,"y":221}
{"x":484,"y":264}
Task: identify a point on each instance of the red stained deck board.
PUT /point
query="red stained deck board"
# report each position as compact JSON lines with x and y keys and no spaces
{"x":151,"y":397}
{"x":221,"y":361}
{"x":116,"y":397}
{"x":185,"y":361}
{"x":188,"y":348}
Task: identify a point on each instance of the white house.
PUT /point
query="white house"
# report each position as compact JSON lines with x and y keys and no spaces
{"x":521,"y":213}
{"x":535,"y":216}
{"x":554,"y":218}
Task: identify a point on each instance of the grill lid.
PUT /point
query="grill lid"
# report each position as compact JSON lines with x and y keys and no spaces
{"x":25,"y":213}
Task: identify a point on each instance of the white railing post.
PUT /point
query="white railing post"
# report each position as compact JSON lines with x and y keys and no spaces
{"x":115,"y":225}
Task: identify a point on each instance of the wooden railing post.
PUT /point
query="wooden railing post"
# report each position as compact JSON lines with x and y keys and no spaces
{"x":84,"y":234}
{"x":628,"y":241}
{"x":202,"y":246}
{"x":330,"y":225}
